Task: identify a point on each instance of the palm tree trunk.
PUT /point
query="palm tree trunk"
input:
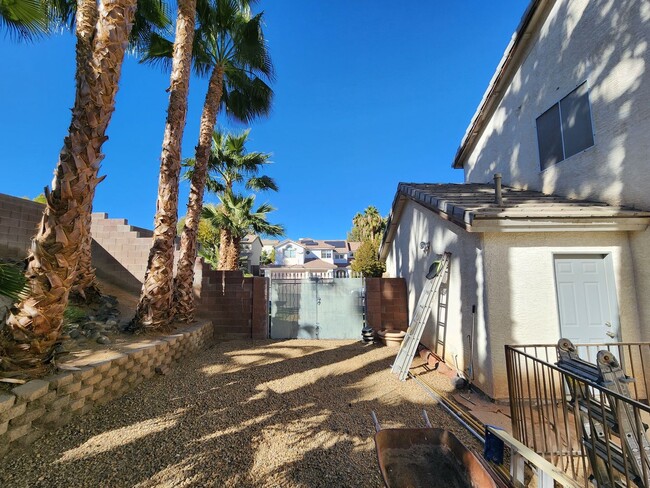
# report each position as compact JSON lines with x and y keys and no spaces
{"x":155,"y":308}
{"x":34,"y":326}
{"x":183,"y":284}
{"x":85,"y":285}
{"x":233,"y":255}
{"x":225,"y":240}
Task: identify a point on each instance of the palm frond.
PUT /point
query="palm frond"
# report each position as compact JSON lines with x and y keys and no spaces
{"x":13,"y":284}
{"x":24,"y":19}
{"x":262,"y":183}
{"x":151,"y":17}
{"x":158,"y":52}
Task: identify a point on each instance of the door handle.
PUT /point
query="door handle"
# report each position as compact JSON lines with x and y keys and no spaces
{"x":610,"y":334}
{"x":608,"y":324}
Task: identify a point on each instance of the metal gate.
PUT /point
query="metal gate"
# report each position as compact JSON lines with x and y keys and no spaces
{"x":316,"y":308}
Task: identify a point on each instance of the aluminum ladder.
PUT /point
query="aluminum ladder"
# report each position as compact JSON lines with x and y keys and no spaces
{"x":418,"y":322}
{"x":612,"y":417}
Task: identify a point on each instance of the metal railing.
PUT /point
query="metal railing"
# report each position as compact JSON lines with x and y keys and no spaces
{"x":584,"y":428}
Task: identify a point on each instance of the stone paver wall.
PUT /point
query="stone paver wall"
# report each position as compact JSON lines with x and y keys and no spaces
{"x":31,"y":409}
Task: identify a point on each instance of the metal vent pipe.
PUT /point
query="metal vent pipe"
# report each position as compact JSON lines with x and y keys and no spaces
{"x":498,"y":198}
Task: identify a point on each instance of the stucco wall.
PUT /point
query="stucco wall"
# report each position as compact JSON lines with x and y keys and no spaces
{"x":521,"y":297}
{"x":606,"y":44}
{"x":406,"y":259}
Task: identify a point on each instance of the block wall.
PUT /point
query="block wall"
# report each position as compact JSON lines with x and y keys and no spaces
{"x":236,"y":305}
{"x":29,"y":410}
{"x":386,"y":303}
{"x":19,"y":219}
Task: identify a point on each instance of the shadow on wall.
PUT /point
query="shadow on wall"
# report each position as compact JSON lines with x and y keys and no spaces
{"x":450,"y":333}
{"x":616,"y":71}
{"x":110,"y":269}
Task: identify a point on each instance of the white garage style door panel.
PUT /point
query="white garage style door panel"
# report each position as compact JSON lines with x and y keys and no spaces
{"x":586,"y":298}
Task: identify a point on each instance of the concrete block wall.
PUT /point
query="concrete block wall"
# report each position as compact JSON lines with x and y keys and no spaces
{"x":386,"y":303}
{"x":236,"y":305}
{"x":29,"y":410}
{"x":126,"y":250}
{"x":19,"y":220}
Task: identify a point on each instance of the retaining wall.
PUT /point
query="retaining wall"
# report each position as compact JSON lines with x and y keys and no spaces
{"x":29,"y":410}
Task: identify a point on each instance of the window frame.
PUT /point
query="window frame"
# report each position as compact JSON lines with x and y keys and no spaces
{"x":558,"y":103}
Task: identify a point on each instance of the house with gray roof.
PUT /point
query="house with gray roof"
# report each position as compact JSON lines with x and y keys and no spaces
{"x":557,"y":244}
{"x":312,"y":257}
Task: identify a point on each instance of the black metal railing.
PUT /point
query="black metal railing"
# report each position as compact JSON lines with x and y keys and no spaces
{"x":580,"y":420}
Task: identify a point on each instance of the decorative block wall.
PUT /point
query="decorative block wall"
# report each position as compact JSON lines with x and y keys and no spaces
{"x":29,"y":410}
{"x":236,"y":305}
{"x":386,"y":303}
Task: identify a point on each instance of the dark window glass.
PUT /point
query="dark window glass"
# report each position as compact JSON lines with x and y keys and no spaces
{"x":549,"y":137}
{"x":565,"y":128}
{"x":576,"y":121}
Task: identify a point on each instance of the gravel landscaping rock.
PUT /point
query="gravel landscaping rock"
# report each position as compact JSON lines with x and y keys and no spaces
{"x":240,"y":414}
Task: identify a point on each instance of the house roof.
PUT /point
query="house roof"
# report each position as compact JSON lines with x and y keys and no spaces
{"x":338,"y":245}
{"x":353,"y":246}
{"x":314,"y":264}
{"x":515,"y":53}
{"x":249,"y":238}
{"x":472,"y":207}
{"x":270,"y":242}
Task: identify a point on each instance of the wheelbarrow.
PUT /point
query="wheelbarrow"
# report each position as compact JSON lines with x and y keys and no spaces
{"x":427,"y":458}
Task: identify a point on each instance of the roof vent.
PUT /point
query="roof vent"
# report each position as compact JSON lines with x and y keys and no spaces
{"x":498,"y":198}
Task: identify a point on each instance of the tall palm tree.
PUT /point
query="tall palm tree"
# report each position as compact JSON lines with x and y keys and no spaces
{"x":236,"y":218}
{"x":156,"y":295}
{"x":229,"y":46}
{"x":28,"y":339}
{"x":229,"y":164}
{"x":24,"y":19}
{"x":151,"y":16}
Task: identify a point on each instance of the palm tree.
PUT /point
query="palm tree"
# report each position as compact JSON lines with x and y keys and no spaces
{"x":31,"y":331}
{"x":156,"y":295}
{"x":236,"y":218}
{"x":151,"y":16}
{"x":230,"y":164}
{"x":24,"y":19}
{"x":369,"y":225}
{"x":229,"y":46}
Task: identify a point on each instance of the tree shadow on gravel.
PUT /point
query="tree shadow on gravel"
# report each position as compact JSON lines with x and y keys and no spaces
{"x":228,"y":418}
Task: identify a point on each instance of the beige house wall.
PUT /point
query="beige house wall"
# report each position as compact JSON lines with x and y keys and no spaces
{"x":406,"y":260}
{"x":521,"y":295}
{"x":606,"y":44}
{"x":510,"y":277}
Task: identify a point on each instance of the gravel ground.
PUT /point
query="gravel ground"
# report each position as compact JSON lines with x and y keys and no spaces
{"x":242,"y":413}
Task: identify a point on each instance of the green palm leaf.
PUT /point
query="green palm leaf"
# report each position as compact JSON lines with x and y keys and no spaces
{"x":24,"y":19}
{"x":13,"y":284}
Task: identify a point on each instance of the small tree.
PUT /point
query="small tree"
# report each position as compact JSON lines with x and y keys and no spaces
{"x":366,"y":260}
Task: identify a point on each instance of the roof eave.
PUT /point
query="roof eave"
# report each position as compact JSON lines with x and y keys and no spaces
{"x":560,"y":224}
{"x":514,"y":54}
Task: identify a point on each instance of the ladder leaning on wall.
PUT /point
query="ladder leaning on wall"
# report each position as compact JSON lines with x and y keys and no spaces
{"x":420,"y":316}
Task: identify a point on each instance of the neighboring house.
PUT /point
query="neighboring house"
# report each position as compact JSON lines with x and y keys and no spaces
{"x":565,"y":121}
{"x":307,"y":256}
{"x":250,"y":251}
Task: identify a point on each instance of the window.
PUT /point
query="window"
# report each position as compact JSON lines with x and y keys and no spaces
{"x":289,"y":252}
{"x":326,"y":254}
{"x":339,"y":256}
{"x":565,"y":128}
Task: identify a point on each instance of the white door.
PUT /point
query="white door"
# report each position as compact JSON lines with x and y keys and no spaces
{"x":586,"y":299}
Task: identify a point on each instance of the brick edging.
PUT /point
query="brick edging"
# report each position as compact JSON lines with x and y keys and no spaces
{"x":30,"y":410}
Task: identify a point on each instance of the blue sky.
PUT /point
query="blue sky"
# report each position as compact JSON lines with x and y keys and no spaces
{"x":368,"y":94}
